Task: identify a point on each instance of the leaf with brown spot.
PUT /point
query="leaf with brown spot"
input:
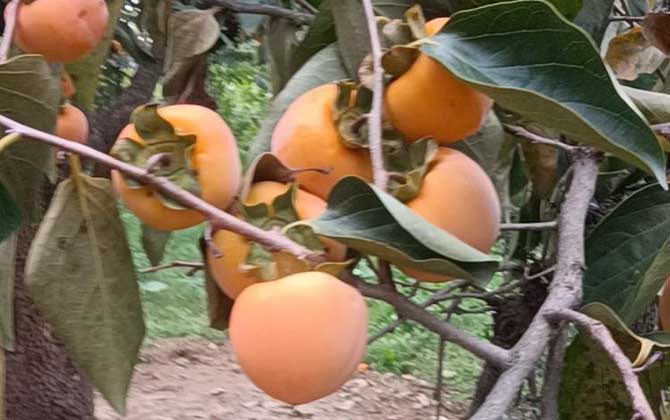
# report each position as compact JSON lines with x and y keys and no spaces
{"x":630,"y":54}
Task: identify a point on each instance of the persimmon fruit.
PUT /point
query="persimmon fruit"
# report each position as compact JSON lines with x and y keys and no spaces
{"x":306,"y":136}
{"x":228,"y":270}
{"x":299,"y":338}
{"x":71,"y":124}
{"x":61,"y":30}
{"x":458,"y":197}
{"x":427,"y":100}
{"x":215,"y":158}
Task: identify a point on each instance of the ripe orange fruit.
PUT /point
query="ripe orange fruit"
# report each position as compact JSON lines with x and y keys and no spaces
{"x":428,"y":100}
{"x":458,"y":197}
{"x":215,"y":158}
{"x":306,"y":137}
{"x":228,"y":271}
{"x":71,"y":124}
{"x":299,"y":338}
{"x":61,"y":30}
{"x":67,"y":88}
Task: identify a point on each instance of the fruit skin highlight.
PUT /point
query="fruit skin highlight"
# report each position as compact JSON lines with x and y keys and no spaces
{"x":71,"y":124}
{"x":428,"y":100}
{"x":306,"y":137}
{"x":215,"y":158}
{"x":299,"y":338}
{"x":228,"y":270}
{"x":458,"y":197}
{"x":61,"y":30}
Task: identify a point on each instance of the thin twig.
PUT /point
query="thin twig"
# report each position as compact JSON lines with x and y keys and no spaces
{"x":531,"y":227}
{"x":375,"y":116}
{"x":175,"y":264}
{"x":306,"y":5}
{"x":535,"y":138}
{"x":270,"y":239}
{"x":386,"y":330}
{"x":601,"y":335}
{"x":552,"y":377}
{"x":157,"y":160}
{"x":262,"y":9}
{"x":414,"y":312}
{"x":629,"y":19}
{"x":541,"y":273}
{"x":662,"y":129}
{"x":11,"y":11}
{"x":565,"y":290}
{"x":650,"y":362}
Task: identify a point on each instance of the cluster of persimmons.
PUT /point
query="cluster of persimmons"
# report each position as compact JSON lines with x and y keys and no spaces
{"x":301,"y":335}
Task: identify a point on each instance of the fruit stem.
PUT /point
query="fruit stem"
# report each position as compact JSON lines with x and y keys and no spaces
{"x":8,"y":140}
{"x":10,"y":23}
{"x":75,"y":166}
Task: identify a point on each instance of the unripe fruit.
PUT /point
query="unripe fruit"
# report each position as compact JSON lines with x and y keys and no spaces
{"x":214,"y":157}
{"x":228,"y":270}
{"x":299,"y":338}
{"x":458,"y":197}
{"x":428,"y":100}
{"x":61,"y":30}
{"x":71,"y":124}
{"x":306,"y":137}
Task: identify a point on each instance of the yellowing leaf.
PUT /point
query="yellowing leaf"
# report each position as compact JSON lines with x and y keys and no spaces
{"x":656,"y":28}
{"x":630,"y":54}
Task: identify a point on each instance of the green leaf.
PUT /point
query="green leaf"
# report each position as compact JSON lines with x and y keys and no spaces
{"x":516,"y":62}
{"x":154,"y":242}
{"x":29,"y":94}
{"x":655,"y":106}
{"x":281,"y":40}
{"x":569,"y":8}
{"x":373,"y":222}
{"x":7,"y":273}
{"x":628,"y":254}
{"x":591,"y":385}
{"x":320,"y":34}
{"x":219,"y":305}
{"x":594,"y":18}
{"x":353,"y":37}
{"x":191,"y":34}
{"x":81,"y":276}
{"x":10,"y":214}
{"x":323,"y":67}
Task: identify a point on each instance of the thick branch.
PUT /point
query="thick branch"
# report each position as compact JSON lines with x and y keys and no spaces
{"x":219,"y":218}
{"x":410,"y":311}
{"x":10,"y":23}
{"x":531,"y":227}
{"x":552,"y":380}
{"x":601,"y":335}
{"x":262,"y":9}
{"x":565,"y":292}
{"x":375,"y":115}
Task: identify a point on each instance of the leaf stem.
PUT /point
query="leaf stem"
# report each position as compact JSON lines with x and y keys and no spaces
{"x":11,"y":11}
{"x":8,"y":140}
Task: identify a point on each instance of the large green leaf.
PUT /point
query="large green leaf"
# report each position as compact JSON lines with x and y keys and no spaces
{"x":353,"y":37}
{"x":7,"y":272}
{"x":591,"y":385}
{"x":569,"y":8}
{"x":535,"y":63}
{"x":320,"y":34}
{"x":323,"y":67}
{"x":80,"y":274}
{"x":29,"y":94}
{"x":10,"y":214}
{"x":154,"y":242}
{"x":594,"y":17}
{"x":628,"y":254}
{"x":371,"y":221}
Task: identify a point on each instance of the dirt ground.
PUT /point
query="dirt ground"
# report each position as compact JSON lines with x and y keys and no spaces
{"x":197,"y":379}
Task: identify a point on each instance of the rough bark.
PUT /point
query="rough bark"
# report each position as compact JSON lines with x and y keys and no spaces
{"x":42,"y":383}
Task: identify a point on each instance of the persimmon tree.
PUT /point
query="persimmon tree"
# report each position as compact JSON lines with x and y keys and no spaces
{"x":408,"y":136}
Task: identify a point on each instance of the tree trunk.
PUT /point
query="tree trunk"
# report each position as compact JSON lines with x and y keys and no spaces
{"x":42,"y":383}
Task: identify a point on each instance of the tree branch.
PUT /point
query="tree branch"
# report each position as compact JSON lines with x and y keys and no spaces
{"x":410,"y":311}
{"x":552,"y":380}
{"x":194,"y":266}
{"x":531,"y":227}
{"x":565,"y":291}
{"x":662,"y":129}
{"x":601,"y":335}
{"x":11,"y":11}
{"x":270,"y":239}
{"x":262,"y":9}
{"x":535,"y":138}
{"x":375,"y":115}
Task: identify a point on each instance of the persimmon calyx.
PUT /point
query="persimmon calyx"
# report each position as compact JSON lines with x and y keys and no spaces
{"x":267,"y":264}
{"x":407,"y":166}
{"x":158,"y":137}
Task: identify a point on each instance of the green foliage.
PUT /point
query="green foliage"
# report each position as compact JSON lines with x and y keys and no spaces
{"x":239,"y":84}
